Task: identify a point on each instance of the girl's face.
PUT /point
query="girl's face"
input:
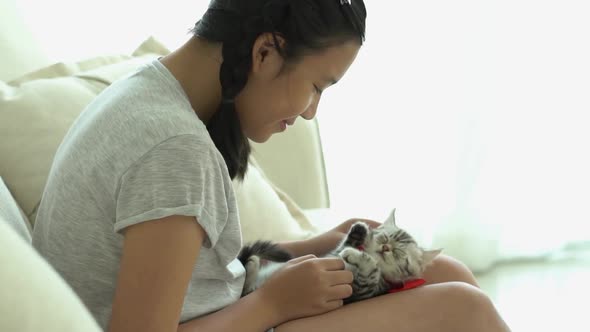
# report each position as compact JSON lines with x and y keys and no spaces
{"x":275,"y":96}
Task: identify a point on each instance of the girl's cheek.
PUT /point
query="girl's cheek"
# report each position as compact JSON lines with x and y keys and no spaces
{"x":300,"y":94}
{"x":302,"y":101}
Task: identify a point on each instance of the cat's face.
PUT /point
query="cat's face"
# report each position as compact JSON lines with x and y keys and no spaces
{"x":397,"y":253}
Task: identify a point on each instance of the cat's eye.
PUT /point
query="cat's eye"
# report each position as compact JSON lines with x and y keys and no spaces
{"x":383,"y":238}
{"x":398,"y":253}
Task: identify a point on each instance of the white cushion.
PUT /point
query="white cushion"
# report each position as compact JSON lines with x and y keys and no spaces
{"x":266,"y":213}
{"x":33,"y":297}
{"x":12,"y":214}
{"x":294,"y":161}
{"x":37,"y":109}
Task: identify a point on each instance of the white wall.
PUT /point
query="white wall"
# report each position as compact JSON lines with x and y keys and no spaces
{"x":467,"y":109}
{"x":71,"y":30}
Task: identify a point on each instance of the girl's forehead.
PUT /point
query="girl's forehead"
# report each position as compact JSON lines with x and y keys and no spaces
{"x":332,"y":62}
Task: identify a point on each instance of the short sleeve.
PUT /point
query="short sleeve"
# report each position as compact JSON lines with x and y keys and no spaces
{"x":180,"y":176}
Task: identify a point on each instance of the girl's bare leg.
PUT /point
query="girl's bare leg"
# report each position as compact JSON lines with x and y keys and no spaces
{"x":441,"y":307}
{"x":445,"y":268}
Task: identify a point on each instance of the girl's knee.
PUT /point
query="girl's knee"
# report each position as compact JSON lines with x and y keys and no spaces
{"x":447,"y":269}
{"x":470,"y":309}
{"x":467,"y":295}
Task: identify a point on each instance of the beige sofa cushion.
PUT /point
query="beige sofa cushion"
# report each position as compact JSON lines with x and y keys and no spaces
{"x":294,"y":161}
{"x":33,"y":297}
{"x":266,"y":212}
{"x":11,"y":213}
{"x":37,"y":109}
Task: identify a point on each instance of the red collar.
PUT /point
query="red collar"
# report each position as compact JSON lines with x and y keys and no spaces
{"x":402,"y":286}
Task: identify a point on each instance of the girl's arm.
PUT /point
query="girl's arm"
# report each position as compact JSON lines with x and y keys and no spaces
{"x":319,"y":245}
{"x":322,"y":244}
{"x":262,"y":309}
{"x":155,"y":269}
{"x":156,"y":266}
{"x":250,"y":313}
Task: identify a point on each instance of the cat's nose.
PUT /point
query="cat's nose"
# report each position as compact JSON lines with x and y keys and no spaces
{"x":385,"y":248}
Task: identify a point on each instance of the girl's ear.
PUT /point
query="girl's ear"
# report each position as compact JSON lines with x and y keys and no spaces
{"x":391,"y":219}
{"x":265,"y":49}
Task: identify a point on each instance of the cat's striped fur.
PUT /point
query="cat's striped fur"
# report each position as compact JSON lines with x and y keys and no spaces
{"x":378,"y":259}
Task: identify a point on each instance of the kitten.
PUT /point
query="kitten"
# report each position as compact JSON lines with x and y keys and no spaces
{"x":378,"y":258}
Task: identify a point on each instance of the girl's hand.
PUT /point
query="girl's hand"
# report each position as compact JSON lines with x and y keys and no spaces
{"x":344,"y":227}
{"x":323,"y":243}
{"x":307,"y":286}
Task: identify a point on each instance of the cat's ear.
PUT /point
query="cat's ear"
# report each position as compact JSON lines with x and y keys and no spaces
{"x":429,"y":255}
{"x":391,"y":219}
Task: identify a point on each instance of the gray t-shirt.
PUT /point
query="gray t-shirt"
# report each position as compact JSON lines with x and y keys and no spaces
{"x":138,"y":152}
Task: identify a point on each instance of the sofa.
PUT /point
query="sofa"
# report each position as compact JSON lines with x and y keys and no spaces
{"x":283,"y":197}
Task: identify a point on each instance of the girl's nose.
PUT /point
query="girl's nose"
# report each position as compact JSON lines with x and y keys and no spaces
{"x":311,"y":110}
{"x":309,"y":113}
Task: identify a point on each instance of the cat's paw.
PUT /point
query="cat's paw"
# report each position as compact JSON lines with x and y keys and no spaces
{"x":252,"y":267}
{"x":351,"y":255}
{"x":357,"y":234}
{"x":253,"y":264}
{"x":359,"y":262}
{"x":367,"y":265}
{"x":357,"y":257}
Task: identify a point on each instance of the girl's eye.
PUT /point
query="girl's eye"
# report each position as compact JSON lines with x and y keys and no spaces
{"x":318,"y":90}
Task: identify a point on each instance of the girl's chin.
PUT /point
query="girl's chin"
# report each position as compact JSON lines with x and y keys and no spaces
{"x":263,"y":135}
{"x":259,"y":137}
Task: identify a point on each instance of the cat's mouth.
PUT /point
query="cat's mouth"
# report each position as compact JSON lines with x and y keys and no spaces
{"x":383,"y":254}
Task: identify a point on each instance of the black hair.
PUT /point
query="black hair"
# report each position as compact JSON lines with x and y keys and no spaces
{"x":305,"y":26}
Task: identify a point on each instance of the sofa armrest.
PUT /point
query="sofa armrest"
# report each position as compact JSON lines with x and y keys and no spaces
{"x":34,"y":296}
{"x":12,"y":214}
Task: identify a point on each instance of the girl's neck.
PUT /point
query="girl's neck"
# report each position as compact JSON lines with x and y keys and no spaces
{"x":196,"y":66}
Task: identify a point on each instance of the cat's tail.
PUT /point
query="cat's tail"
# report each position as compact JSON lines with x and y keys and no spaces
{"x":265,"y":250}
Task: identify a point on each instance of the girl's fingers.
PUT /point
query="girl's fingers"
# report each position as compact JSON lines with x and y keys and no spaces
{"x":331,"y":263}
{"x":339,"y":292}
{"x":301,"y":259}
{"x":343,"y":277}
{"x":371,"y":223}
{"x":333,"y":305}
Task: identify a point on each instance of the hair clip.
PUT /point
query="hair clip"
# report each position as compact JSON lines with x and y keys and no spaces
{"x":352,"y":16}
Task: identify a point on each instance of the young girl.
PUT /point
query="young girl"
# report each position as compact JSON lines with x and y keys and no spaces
{"x":139,"y":215}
